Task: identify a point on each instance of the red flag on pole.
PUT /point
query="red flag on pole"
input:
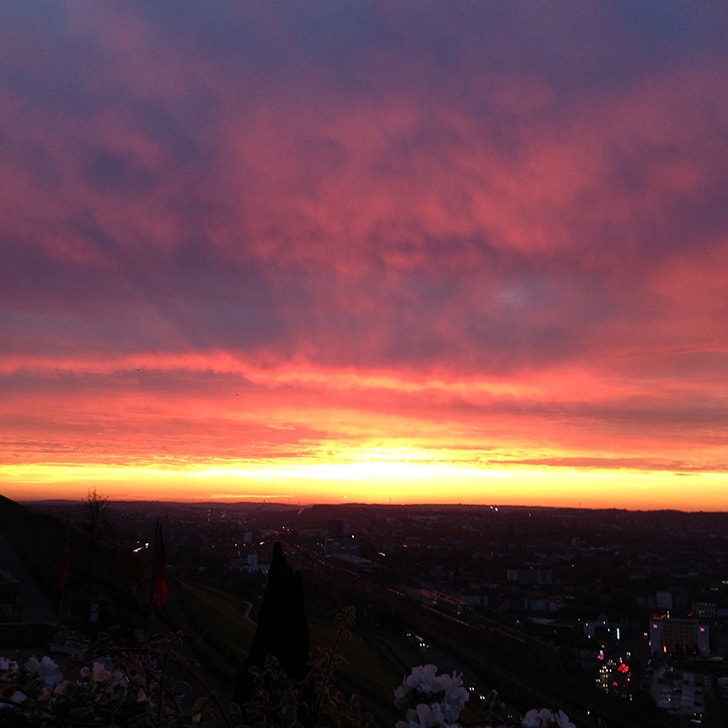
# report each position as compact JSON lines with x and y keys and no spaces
{"x":64,"y":565}
{"x":160,"y":581}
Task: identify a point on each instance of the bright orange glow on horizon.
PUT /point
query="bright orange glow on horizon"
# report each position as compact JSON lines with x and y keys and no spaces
{"x":385,"y":477}
{"x":306,"y":485}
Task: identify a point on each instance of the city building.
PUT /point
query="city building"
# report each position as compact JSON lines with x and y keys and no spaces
{"x":669,"y":636}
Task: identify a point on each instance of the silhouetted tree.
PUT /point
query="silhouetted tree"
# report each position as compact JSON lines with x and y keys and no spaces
{"x":282,"y":629}
{"x":96,"y":508}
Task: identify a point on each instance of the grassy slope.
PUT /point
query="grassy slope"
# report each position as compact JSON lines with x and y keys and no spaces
{"x":219,"y":619}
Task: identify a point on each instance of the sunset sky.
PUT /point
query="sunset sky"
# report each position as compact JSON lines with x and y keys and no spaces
{"x":360,"y":251}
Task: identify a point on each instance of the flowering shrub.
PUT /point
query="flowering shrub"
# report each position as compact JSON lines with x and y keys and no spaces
{"x":545,"y":718}
{"x":434,"y":700}
{"x":106,"y":685}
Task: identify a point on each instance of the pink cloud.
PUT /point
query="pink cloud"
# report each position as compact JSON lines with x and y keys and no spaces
{"x":469,"y":223}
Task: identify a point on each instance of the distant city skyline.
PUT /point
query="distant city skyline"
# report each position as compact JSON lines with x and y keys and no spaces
{"x":402,"y":252}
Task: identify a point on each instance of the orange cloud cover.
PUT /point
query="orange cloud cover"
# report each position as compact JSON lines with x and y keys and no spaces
{"x":365,"y":252}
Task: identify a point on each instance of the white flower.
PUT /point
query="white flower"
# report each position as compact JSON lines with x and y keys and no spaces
{"x":546,"y":716}
{"x":425,"y":716}
{"x":531,"y":719}
{"x":455,"y":692}
{"x":424,"y":678}
{"x":543,"y":718}
{"x":455,"y":696}
{"x":18,"y":697}
{"x":562,"y":720}
{"x":47,"y":693}
{"x":46,"y":669}
{"x":442,"y":698}
{"x":401,"y":693}
{"x":8,"y":665}
{"x":99,"y":672}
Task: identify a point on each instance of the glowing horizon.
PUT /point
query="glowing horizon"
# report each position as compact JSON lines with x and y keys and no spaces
{"x":389,"y":480}
{"x":365,"y":252}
